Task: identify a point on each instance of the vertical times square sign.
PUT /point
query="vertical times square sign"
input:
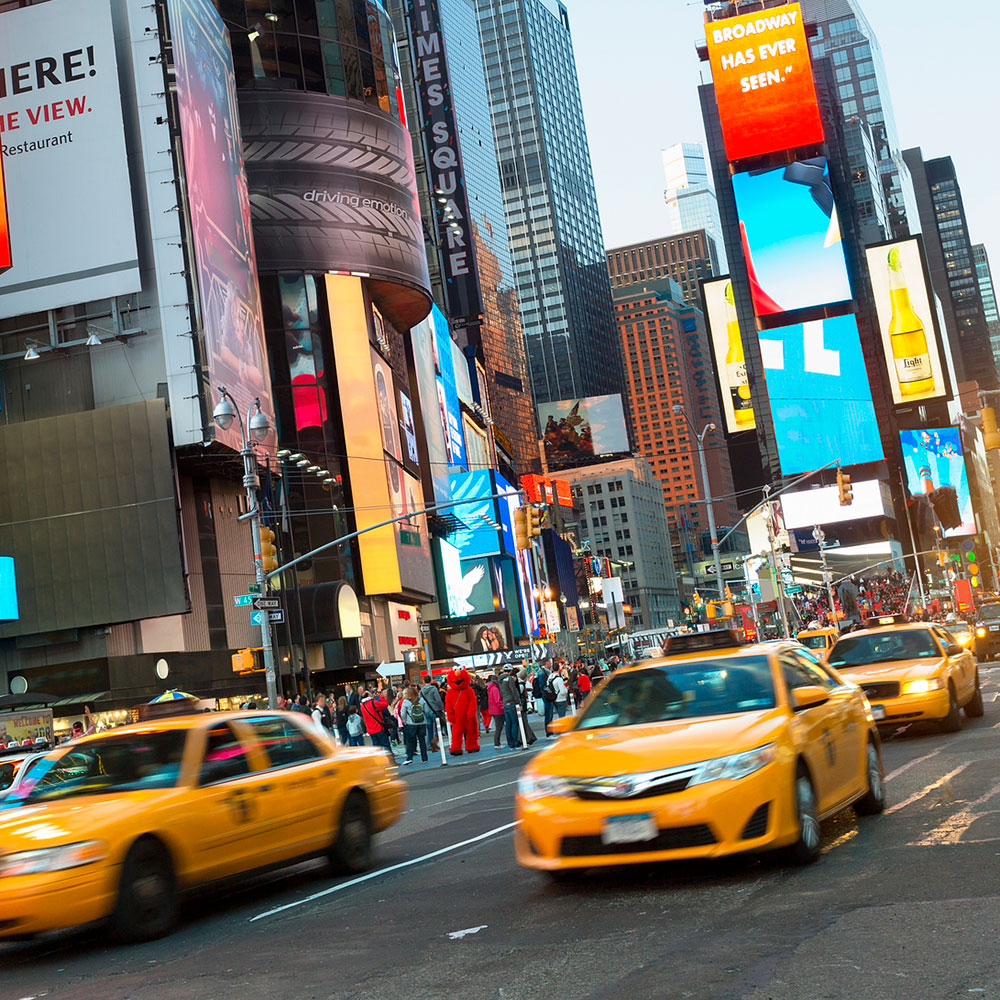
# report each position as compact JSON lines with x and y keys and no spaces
{"x":444,"y":162}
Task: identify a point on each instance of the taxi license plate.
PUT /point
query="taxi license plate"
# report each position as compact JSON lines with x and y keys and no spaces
{"x":878,"y":711}
{"x":629,"y":829}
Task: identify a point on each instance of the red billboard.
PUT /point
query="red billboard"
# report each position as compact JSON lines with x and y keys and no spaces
{"x":542,"y":489}
{"x":763,"y":82}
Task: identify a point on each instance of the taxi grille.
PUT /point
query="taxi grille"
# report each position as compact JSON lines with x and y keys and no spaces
{"x":674,"y":839}
{"x":594,"y":794}
{"x":757,"y":824}
{"x":879,"y":692}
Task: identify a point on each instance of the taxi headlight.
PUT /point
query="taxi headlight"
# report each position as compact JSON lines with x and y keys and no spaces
{"x":981,"y":632}
{"x":737,"y":765}
{"x":541,"y":786}
{"x":922,"y":687}
{"x":53,"y":859}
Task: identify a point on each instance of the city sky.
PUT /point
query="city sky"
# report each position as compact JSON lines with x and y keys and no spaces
{"x":639,"y":76}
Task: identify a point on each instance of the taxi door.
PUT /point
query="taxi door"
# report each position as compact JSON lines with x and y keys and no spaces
{"x":828,"y":732}
{"x":961,"y":665}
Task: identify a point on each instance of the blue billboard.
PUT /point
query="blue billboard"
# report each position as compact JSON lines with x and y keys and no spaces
{"x":447,"y":390}
{"x":8,"y":590}
{"x":791,"y":237}
{"x":481,"y":535}
{"x":821,"y":402}
{"x":935,"y":467}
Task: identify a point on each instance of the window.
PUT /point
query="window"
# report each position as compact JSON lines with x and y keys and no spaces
{"x":225,"y":756}
{"x":284,"y":742}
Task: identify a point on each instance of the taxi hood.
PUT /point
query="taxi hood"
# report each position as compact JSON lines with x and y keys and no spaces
{"x":652,"y":746}
{"x":891,"y":670}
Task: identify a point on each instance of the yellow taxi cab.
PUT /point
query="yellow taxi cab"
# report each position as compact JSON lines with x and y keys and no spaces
{"x":911,"y":672}
{"x":118,"y":825}
{"x":819,"y":640}
{"x":709,"y":750}
{"x":963,"y":633}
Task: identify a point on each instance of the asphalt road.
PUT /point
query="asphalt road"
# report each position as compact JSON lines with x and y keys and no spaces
{"x":906,"y":905}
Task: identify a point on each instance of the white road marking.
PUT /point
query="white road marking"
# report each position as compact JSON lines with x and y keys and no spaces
{"x":458,"y":935}
{"x":951,"y":830}
{"x":916,"y":796}
{"x":909,"y":764}
{"x":383,"y":871}
{"x":469,"y":795}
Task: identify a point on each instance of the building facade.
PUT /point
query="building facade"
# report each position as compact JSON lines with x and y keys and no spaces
{"x":948,"y":244}
{"x":549,"y":199}
{"x":987,"y":292}
{"x":619,"y":515}
{"x":690,"y":199}
{"x":687,"y":258}
{"x":670,"y":364}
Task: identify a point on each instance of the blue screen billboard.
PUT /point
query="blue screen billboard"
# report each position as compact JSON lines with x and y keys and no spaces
{"x":481,"y":534}
{"x":935,"y":467}
{"x":447,"y":388}
{"x":791,"y":237}
{"x":8,"y":590}
{"x":821,"y":402}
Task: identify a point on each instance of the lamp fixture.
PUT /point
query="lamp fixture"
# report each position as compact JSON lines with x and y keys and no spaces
{"x":270,"y":16}
{"x":224,"y":414}
{"x":30,"y":353}
{"x":282,"y":454}
{"x":93,"y":340}
{"x":313,"y":468}
{"x":260,"y":427}
{"x":303,"y":462}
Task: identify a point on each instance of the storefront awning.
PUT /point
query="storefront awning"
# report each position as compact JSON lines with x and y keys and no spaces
{"x":81,"y":699}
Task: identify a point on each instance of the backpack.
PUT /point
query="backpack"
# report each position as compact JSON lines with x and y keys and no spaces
{"x":355,"y":727}
{"x":417,"y":717}
{"x":549,"y":691}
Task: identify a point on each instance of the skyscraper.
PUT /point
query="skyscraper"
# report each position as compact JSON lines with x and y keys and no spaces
{"x":549,"y":198}
{"x":691,"y":202}
{"x":844,"y":35}
{"x":987,"y":292}
{"x":953,"y":272}
{"x":687,"y":258}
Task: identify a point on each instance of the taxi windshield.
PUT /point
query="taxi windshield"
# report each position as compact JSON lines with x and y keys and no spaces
{"x":129,"y":763}
{"x":883,"y":647}
{"x":688,"y":689}
{"x":989,"y":612}
{"x":813,"y":641}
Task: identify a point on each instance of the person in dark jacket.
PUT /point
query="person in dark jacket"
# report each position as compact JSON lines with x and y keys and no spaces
{"x":435,"y":710}
{"x":340,"y":720}
{"x":511,"y":696}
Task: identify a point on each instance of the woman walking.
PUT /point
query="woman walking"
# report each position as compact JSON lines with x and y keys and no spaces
{"x":495,"y":708}
{"x":412,"y":716}
{"x":340,"y":720}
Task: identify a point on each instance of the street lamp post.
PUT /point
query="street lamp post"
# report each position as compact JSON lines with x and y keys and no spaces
{"x":820,"y":535}
{"x":706,"y":486}
{"x":224,"y":414}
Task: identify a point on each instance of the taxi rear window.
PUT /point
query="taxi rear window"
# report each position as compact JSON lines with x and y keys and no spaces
{"x":883,"y":647}
{"x":113,"y":764}
{"x":683,"y":690}
{"x":813,"y":641}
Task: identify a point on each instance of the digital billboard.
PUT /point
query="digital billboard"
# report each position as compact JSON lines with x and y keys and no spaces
{"x":447,"y":390}
{"x":423,"y":337}
{"x":807,"y":508}
{"x":763,"y":82}
{"x":791,"y":237}
{"x":907,"y":321}
{"x":935,"y":467}
{"x":820,"y":399}
{"x":576,"y":431}
{"x":8,"y":590}
{"x":69,"y":215}
{"x":224,"y":260}
{"x":727,"y":349}
{"x":481,"y":535}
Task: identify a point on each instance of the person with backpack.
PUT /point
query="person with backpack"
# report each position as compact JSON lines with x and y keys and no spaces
{"x":373,"y":714}
{"x":495,"y":708}
{"x":434,"y":705}
{"x":511,"y":696}
{"x":548,"y":694}
{"x":321,"y":716}
{"x":482,"y":701}
{"x":355,"y":728}
{"x":413,"y":716}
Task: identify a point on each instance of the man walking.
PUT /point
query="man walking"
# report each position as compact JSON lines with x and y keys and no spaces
{"x":546,"y":692}
{"x":511,"y":696}
{"x":435,"y":710}
{"x":321,"y":716}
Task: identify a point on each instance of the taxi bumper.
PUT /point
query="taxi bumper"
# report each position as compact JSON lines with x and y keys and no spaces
{"x":754,"y":813}
{"x":51,"y":901}
{"x":912,"y":707}
{"x":388,"y":803}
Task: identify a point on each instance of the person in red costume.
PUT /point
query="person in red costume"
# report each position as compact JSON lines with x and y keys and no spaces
{"x":460,"y":705}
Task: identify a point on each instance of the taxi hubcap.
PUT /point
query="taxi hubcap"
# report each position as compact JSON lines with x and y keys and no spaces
{"x":808,"y":821}
{"x":875,"y":774}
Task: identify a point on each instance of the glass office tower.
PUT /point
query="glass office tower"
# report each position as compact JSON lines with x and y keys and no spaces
{"x":987,"y":293}
{"x":690,"y":199}
{"x":549,"y":197}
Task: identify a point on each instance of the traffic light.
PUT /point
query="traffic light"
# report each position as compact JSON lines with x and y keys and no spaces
{"x":521,"y":539}
{"x":696,"y":600}
{"x":268,"y":552}
{"x":729,"y":593}
{"x":534,"y":521}
{"x":844,"y":489}
{"x":971,"y":561}
{"x":991,"y":437}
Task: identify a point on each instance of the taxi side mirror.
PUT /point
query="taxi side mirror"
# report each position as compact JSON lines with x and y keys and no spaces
{"x":954,"y":649}
{"x":808,"y":696}
{"x":563,"y":725}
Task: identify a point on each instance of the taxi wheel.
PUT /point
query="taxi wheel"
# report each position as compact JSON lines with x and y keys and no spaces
{"x":806,"y":849}
{"x":952,"y":722}
{"x":352,"y":850}
{"x":147,"y":894}
{"x":873,"y":801}
{"x":974,"y":709}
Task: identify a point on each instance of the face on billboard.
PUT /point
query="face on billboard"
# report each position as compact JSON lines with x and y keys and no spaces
{"x":821,"y":403}
{"x":907,"y":322}
{"x":67,"y":210}
{"x":791,"y":237}
{"x":763,"y":82}
{"x":219,"y":207}
{"x":385,"y":396}
{"x":730,"y":363}
{"x":935,"y":467}
{"x":577,"y":430}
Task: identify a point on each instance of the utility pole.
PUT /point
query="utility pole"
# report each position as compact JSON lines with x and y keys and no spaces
{"x":779,"y":587}
{"x":820,"y":537}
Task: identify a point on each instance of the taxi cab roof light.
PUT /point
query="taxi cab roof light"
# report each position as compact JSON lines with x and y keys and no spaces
{"x":698,"y":642}
{"x":887,"y":620}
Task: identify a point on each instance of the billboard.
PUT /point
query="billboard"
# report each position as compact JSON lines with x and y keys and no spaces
{"x":791,"y":237}
{"x":8,"y":589}
{"x":907,"y":321}
{"x":68,"y":197}
{"x":224,"y":261}
{"x":727,"y":349}
{"x":576,"y":431}
{"x":763,"y":82}
{"x":435,"y":428}
{"x":332,"y":187}
{"x":447,"y":390}
{"x":542,"y":489}
{"x":820,"y":399}
{"x":808,"y":508}
{"x":479,"y":513}
{"x":935,"y":467}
